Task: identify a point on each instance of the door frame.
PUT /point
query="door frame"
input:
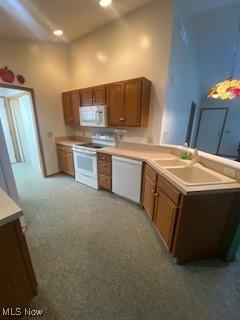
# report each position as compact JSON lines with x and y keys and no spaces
{"x":40,"y":145}
{"x":224,"y":122}
{"x":191,"y":119}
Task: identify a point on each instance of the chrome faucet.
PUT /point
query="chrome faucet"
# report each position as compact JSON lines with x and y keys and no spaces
{"x":195,"y":157}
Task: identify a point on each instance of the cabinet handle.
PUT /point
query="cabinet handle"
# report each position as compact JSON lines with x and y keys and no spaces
{"x":153,"y":191}
{"x":122,"y":119}
{"x":156,"y":195}
{"x":71,"y":119}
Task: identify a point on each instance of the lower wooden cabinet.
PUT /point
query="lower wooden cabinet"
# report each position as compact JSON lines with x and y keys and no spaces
{"x":165,"y":217}
{"x":17,"y":277}
{"x":148,"y":191}
{"x":192,"y":226}
{"x":65,"y":160}
{"x":105,"y":171}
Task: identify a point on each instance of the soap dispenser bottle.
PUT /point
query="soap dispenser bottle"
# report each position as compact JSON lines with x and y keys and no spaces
{"x":185,"y":153}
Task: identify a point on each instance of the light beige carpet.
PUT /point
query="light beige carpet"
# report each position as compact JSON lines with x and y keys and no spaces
{"x":98,"y":257}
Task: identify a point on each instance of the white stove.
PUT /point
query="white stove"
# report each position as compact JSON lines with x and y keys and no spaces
{"x":85,"y":158}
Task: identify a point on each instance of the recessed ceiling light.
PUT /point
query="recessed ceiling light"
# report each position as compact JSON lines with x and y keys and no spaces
{"x":105,"y":3}
{"x":58,"y":32}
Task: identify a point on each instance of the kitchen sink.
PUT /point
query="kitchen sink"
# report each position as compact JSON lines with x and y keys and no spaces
{"x":171,"y":162}
{"x":198,"y":175}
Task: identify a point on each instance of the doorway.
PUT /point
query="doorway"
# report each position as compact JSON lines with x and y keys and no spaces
{"x":210,"y":129}
{"x":20,"y":128}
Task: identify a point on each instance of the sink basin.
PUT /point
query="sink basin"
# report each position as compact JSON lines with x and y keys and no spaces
{"x":171,"y":162}
{"x":197,"y":176}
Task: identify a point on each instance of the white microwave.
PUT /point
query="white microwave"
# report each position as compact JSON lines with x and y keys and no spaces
{"x":95,"y":116}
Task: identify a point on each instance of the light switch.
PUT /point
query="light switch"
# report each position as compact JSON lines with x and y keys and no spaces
{"x":173,"y":80}
{"x":50,"y":134}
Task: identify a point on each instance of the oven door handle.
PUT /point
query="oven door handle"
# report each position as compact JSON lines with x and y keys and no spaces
{"x":87,"y":152}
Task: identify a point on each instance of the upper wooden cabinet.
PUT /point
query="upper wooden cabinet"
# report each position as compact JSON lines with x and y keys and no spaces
{"x":128,"y":103}
{"x":99,"y":95}
{"x":115,"y":104}
{"x":93,"y":96}
{"x":71,"y":104}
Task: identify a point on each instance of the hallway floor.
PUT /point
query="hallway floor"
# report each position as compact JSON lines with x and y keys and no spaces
{"x":98,"y":257}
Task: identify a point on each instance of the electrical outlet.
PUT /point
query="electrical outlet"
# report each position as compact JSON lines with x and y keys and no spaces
{"x":50,"y":134}
{"x":230,"y":172}
{"x":150,"y":140}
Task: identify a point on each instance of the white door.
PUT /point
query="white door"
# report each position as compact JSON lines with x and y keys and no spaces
{"x":6,"y":131}
{"x":210,"y":129}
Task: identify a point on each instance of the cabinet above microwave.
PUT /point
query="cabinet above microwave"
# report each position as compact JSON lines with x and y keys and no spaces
{"x":127,"y":102}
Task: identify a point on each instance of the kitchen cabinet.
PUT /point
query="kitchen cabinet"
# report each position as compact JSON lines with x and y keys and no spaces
{"x":71,"y":104}
{"x":165,"y":216}
{"x":93,"y":96}
{"x":128,"y":103}
{"x":99,"y":95}
{"x":115,"y":104}
{"x":105,"y":171}
{"x":17,"y":277}
{"x":149,"y":187}
{"x":65,"y":159}
{"x":192,"y":226}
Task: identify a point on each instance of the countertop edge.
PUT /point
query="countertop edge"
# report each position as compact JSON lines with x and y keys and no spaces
{"x":219,"y":188}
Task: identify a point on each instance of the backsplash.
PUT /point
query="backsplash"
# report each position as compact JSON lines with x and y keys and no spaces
{"x":133,"y":135}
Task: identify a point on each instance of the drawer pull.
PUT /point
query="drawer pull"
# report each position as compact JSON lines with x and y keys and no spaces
{"x":122,"y":119}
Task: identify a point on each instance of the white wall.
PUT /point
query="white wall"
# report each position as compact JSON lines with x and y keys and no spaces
{"x":183,"y":78}
{"x":46,"y":69}
{"x":133,"y":46}
{"x":216,"y":33}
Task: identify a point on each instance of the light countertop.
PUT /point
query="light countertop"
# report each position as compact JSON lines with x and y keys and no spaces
{"x":9,"y":210}
{"x":149,"y":153}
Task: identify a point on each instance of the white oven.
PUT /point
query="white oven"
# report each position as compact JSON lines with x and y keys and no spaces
{"x":95,"y":116}
{"x":85,"y":157}
{"x":85,"y":162}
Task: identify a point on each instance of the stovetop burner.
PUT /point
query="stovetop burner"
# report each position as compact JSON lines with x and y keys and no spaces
{"x":93,"y":145}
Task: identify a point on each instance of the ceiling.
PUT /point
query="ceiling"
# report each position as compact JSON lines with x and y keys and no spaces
{"x":36,"y":19}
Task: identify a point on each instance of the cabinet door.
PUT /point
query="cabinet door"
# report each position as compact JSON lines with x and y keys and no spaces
{"x":86,"y":97}
{"x":62,"y":161}
{"x":99,"y":95}
{"x":75,"y":103}
{"x":165,"y":216}
{"x":115,"y":104}
{"x":67,"y":108}
{"x":132,"y":102}
{"x":148,"y":195}
{"x":69,"y":164}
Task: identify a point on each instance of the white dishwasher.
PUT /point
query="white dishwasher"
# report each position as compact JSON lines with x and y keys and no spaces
{"x":127,"y":178}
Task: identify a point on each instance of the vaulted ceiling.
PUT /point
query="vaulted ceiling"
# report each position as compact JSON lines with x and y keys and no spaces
{"x":36,"y":19}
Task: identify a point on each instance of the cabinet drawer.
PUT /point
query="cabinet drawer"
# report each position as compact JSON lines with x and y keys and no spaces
{"x":105,"y":182}
{"x":169,"y":190}
{"x":105,"y":168}
{"x":104,"y":157}
{"x":150,"y":172}
{"x":64,"y":148}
